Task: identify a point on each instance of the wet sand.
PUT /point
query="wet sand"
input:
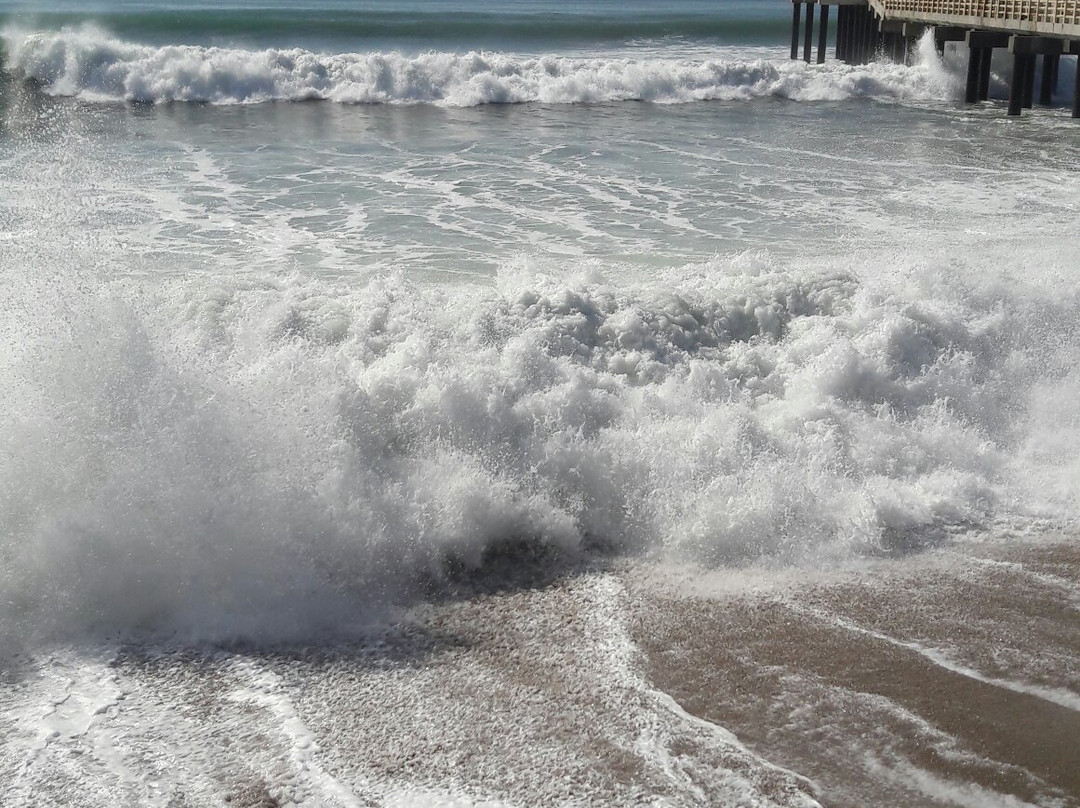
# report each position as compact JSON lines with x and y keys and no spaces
{"x":952,"y":677}
{"x":949,"y":677}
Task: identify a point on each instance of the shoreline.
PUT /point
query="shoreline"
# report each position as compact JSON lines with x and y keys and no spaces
{"x":945,"y":678}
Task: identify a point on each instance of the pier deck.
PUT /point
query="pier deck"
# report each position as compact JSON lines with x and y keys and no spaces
{"x":1055,"y":18}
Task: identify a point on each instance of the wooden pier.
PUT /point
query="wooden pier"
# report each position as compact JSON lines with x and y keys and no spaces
{"x":1031,"y":30}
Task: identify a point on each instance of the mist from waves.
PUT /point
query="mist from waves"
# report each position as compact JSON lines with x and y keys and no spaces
{"x":272,"y":459}
{"x":91,"y":64}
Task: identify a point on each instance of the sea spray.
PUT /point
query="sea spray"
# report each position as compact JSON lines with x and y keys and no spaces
{"x":268,"y":459}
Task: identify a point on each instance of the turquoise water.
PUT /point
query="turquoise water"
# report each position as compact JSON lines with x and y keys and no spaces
{"x":420,"y":25}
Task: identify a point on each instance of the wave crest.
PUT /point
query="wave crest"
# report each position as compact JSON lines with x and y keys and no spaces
{"x":271,"y":459}
{"x":90,"y":64}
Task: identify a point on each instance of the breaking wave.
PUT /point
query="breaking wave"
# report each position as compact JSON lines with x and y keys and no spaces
{"x":89,"y":64}
{"x":240,"y":458}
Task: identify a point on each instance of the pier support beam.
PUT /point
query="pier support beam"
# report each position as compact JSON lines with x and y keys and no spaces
{"x":841,"y":31}
{"x":1022,"y":83}
{"x":1029,"y":81}
{"x":796,"y":10}
{"x":974,"y":70}
{"x":870,"y":39}
{"x":1073,"y":47}
{"x":1049,"y":78}
{"x":947,"y":33}
{"x":809,"y":33}
{"x":823,"y":34}
{"x":984,"y":74}
{"x":855,"y":42}
{"x":1016,"y":84}
{"x":914,"y":30}
{"x":857,"y":32}
{"x":890,"y":35}
{"x":1076,"y":91}
{"x":981,"y":44}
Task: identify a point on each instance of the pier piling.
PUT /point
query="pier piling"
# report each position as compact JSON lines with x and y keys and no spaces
{"x":869,"y":34}
{"x":890,"y":36}
{"x":796,"y":10}
{"x":1047,"y":81}
{"x":854,"y":31}
{"x":809,"y":33}
{"x":974,"y":70}
{"x":984,"y":74}
{"x":1022,"y":83}
{"x":948,"y":33}
{"x":1029,"y":81}
{"x":841,"y":32}
{"x":1016,"y":84}
{"x":1073,"y":48}
{"x":981,"y":45}
{"x":823,"y":34}
{"x":1076,"y":91}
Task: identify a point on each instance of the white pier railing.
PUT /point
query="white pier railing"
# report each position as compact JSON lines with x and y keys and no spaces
{"x":1059,"y":18}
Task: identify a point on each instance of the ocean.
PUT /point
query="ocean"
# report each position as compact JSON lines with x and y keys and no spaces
{"x":460,"y":403}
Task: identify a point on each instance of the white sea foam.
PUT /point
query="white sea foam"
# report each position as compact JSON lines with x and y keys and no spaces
{"x":220,"y":456}
{"x":91,"y":64}
{"x":238,"y":458}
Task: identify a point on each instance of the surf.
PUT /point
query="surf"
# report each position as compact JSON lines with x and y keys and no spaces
{"x":271,"y":460}
{"x":93,"y":65}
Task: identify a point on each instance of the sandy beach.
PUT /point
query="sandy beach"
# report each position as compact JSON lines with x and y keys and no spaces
{"x":945,"y":678}
{"x":948,"y":678}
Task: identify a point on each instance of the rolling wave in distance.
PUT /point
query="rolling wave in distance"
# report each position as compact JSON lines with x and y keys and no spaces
{"x":91,"y":64}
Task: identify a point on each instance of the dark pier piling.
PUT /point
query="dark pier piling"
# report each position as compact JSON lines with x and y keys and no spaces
{"x":1022,"y":83}
{"x":981,"y":46}
{"x":853,"y":26}
{"x":861,"y":34}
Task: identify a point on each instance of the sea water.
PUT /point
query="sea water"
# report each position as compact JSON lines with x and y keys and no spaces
{"x":307,"y":303}
{"x":625,"y":279}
